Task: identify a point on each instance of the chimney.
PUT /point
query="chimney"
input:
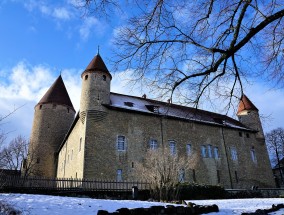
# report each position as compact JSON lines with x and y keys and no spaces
{"x":144,"y":96}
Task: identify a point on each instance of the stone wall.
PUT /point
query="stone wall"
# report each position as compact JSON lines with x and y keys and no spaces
{"x":71,"y":155}
{"x":102,"y":159}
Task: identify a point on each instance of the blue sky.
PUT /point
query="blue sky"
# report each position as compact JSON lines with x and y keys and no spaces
{"x":39,"y":39}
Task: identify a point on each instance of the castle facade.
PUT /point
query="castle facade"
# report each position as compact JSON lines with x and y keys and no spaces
{"x":111,"y":134}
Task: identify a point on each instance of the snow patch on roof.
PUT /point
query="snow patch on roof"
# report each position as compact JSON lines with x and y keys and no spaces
{"x":144,"y":105}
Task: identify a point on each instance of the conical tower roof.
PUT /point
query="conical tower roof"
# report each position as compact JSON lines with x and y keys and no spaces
{"x":57,"y":94}
{"x":246,"y":104}
{"x":97,"y":64}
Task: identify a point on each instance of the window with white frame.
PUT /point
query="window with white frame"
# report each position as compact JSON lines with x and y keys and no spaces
{"x":234,"y":154}
{"x":203,"y":151}
{"x":216,"y":152}
{"x":188,"y":149}
{"x":209,"y":151}
{"x":253,"y":155}
{"x":172,"y":145}
{"x":121,"y":143}
{"x":153,"y":144}
{"x":119,"y":175}
{"x":181,"y":175}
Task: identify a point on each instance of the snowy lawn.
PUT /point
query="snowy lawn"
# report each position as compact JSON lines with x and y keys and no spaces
{"x":45,"y":205}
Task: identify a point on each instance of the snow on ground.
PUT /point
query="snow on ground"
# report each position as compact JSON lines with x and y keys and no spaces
{"x":45,"y":205}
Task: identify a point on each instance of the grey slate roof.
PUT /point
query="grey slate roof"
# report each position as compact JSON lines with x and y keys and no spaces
{"x":149,"y":106}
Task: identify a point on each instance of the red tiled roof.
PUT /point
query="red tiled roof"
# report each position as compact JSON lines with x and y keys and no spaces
{"x":246,"y":104}
{"x":57,"y":94}
{"x":97,"y":64}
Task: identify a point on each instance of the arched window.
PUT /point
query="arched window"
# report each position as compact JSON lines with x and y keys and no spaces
{"x":253,"y":155}
{"x":86,"y":77}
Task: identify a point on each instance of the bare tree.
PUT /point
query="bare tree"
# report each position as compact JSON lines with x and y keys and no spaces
{"x":164,"y":169}
{"x":12,"y":156}
{"x":275,"y":145}
{"x":198,"y":48}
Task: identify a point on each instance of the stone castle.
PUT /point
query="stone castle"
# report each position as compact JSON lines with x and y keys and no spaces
{"x":111,"y":134}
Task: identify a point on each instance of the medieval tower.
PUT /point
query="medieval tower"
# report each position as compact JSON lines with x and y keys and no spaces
{"x":95,"y":93}
{"x":249,"y":116}
{"x":52,"y":118}
{"x":95,"y":89}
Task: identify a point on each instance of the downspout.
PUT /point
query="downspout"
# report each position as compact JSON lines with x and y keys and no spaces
{"x":227,"y":159}
{"x":278,"y":160}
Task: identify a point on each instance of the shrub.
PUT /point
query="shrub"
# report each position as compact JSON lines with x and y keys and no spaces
{"x":199,"y":191}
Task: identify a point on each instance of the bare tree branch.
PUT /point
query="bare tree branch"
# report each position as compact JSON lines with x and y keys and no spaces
{"x":196,"y":45}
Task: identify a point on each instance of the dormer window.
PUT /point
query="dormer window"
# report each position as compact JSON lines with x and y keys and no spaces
{"x":153,"y":108}
{"x":129,"y":104}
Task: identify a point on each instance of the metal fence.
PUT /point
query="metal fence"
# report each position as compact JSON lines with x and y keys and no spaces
{"x":69,"y":184}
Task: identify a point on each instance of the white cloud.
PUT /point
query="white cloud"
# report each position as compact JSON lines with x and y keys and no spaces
{"x":24,"y":86}
{"x":61,"y":13}
{"x":90,"y":25}
{"x":72,"y":81}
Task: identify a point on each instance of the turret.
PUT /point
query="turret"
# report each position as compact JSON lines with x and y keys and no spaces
{"x":249,"y":116}
{"x":53,"y":117}
{"x":95,"y":89}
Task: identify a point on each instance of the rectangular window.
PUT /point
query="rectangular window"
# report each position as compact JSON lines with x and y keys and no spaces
{"x":193,"y":175}
{"x":253,"y":155}
{"x":153,"y":144}
{"x":172,"y":145}
{"x":80,"y":144}
{"x":236,"y":177}
{"x":216,"y":152}
{"x":188,"y":149}
{"x":181,"y":175}
{"x":119,"y":175}
{"x":209,"y":151}
{"x":218,"y":177}
{"x":234,"y":154}
{"x":121,"y":143}
{"x":203,"y":151}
